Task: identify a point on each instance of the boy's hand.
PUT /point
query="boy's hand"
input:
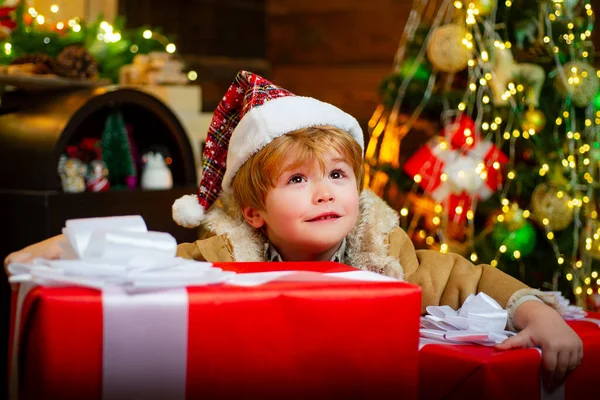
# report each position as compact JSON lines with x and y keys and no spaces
{"x":562,"y":350}
{"x":49,"y":248}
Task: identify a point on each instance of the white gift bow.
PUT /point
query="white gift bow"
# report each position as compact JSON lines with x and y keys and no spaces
{"x":117,"y":251}
{"x":568,"y":311}
{"x":480,"y":320}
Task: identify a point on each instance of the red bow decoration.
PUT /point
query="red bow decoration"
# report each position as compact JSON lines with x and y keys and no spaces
{"x":457,"y":167}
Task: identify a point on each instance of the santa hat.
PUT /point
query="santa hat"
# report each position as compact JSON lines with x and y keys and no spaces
{"x":252,"y":113}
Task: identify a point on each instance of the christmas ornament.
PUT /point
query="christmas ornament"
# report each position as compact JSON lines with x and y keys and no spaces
{"x":597,"y":101}
{"x":516,"y":233}
{"x":485,"y":7}
{"x":71,"y":172}
{"x":116,"y":152}
{"x":155,"y":173}
{"x":506,"y":70}
{"x":421,"y":70}
{"x":533,"y":120}
{"x":41,"y":63}
{"x":75,"y":62}
{"x":97,"y":177}
{"x":590,"y":240}
{"x":446,"y":50}
{"x":456,"y":167}
{"x":552,"y":204}
{"x":580,"y":82}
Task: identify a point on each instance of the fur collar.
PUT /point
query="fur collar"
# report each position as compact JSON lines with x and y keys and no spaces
{"x":366,"y":244}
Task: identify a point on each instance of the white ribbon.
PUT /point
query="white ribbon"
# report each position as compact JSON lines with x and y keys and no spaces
{"x":144,"y":301}
{"x":480,"y":320}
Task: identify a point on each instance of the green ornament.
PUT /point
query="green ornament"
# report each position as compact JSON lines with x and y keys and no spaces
{"x":596,"y":101}
{"x":421,"y":71}
{"x":522,"y":239}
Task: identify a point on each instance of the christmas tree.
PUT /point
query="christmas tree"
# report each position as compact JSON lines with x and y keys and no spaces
{"x":498,"y":103}
{"x":116,"y":152}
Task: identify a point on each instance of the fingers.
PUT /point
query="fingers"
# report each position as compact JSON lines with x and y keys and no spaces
{"x":549,"y":363}
{"x":520,"y":340}
{"x":17,"y":257}
{"x":563,"y":365}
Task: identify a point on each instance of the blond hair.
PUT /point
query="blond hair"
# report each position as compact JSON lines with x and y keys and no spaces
{"x":260,"y":173}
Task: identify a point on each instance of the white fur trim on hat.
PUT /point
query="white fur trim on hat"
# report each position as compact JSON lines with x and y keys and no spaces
{"x":277,"y":117}
{"x":187,"y":211}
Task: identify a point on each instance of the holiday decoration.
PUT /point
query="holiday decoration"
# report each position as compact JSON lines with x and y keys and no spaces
{"x":71,"y":172}
{"x":533,"y":120}
{"x":531,"y":89}
{"x":552,"y":207}
{"x":579,"y":81}
{"x":446,"y":50}
{"x":36,"y":63}
{"x":154,"y":68}
{"x":458,"y":170}
{"x":422,"y":71}
{"x":26,"y":30}
{"x":590,"y":241}
{"x":156,"y":175}
{"x":97,"y":177}
{"x":116,"y":152}
{"x":76,"y":62}
{"x":506,"y":71}
{"x":484,"y":7}
{"x":514,"y":235}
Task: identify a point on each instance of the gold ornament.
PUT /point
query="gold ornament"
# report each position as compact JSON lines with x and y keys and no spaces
{"x":533,"y":120}
{"x":590,"y":240}
{"x":485,"y":7}
{"x":551,"y":204}
{"x":446,"y":50}
{"x":580,"y":81}
{"x":506,"y":70}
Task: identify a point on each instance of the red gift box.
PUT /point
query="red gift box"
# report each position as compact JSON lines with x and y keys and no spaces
{"x":478,"y":372}
{"x":284,"y":339}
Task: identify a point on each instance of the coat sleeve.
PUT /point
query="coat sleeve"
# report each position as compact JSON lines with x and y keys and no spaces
{"x":448,"y":279}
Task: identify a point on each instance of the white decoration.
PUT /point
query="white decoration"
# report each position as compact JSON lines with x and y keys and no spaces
{"x":463,"y":176}
{"x":156,"y":175}
{"x":480,"y":320}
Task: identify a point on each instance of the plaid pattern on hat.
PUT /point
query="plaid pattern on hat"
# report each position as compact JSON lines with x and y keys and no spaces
{"x":248,"y":90}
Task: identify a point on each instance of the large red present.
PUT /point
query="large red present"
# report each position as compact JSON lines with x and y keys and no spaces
{"x":448,"y":371}
{"x":290,"y":337}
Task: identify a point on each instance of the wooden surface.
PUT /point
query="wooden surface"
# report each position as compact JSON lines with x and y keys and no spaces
{"x":335,"y":50}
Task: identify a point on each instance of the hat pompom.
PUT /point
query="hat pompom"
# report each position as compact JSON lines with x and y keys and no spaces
{"x":187,"y":211}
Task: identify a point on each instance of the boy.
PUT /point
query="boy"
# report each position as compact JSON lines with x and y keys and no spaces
{"x":287,"y":172}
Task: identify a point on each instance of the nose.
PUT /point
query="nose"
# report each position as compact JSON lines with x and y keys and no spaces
{"x":323,"y":194}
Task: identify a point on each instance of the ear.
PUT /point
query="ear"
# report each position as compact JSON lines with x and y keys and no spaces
{"x":253,"y":217}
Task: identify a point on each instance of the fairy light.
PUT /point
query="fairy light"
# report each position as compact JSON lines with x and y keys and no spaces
{"x":474,"y":257}
{"x":430,"y":240}
{"x":60,"y":26}
{"x":170,"y":48}
{"x":417,"y":178}
{"x":436,"y":220}
{"x":589,"y":291}
{"x":404,"y":212}
{"x":508,"y":3}
{"x":192,"y":75}
{"x":561,"y":261}
{"x":76,"y":28}
{"x":32,"y":12}
{"x":494,"y":263}
{"x":147,"y":34}
{"x":526,"y":214}
{"x":54,"y":8}
{"x":40,"y":19}
{"x":517,"y":254}
{"x":569,"y":277}
{"x":458,"y":4}
{"x":444,"y":248}
{"x":578,"y":290}
{"x":503,"y":249}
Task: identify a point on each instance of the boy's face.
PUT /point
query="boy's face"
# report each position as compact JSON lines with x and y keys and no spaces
{"x":310,"y":211}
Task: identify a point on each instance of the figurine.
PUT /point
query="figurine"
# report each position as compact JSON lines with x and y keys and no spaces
{"x":71,"y":171}
{"x":156,"y":175}
{"x":97,"y":177}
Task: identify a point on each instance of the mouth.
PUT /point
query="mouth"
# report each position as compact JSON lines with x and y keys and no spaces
{"x":325,"y":217}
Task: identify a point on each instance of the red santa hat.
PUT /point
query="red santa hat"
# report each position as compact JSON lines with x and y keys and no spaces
{"x":252,"y":113}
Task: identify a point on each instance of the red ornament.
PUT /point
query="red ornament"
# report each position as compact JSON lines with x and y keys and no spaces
{"x":458,"y":167}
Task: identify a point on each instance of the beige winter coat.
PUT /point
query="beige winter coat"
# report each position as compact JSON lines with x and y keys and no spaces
{"x":376,"y":244}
